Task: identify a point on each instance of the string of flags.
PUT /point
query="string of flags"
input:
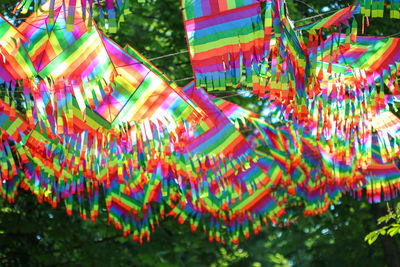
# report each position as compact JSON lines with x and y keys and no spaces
{"x":98,"y":120}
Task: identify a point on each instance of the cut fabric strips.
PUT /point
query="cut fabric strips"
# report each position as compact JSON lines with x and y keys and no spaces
{"x":147,"y":158}
{"x":375,"y":8}
{"x":98,"y":117}
{"x":114,"y":9}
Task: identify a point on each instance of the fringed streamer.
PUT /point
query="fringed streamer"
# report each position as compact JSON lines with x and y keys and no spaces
{"x":73,"y":172}
{"x":107,"y":119}
{"x":115,"y":10}
{"x":10,"y":38}
{"x":236,"y":114}
{"x":375,"y":8}
{"x":138,"y":159}
{"x":222,"y":36}
{"x":325,"y":174}
{"x":286,"y":70}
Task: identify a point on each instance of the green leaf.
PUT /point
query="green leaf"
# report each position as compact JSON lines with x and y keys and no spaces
{"x":373,"y":239}
{"x":393,"y":231}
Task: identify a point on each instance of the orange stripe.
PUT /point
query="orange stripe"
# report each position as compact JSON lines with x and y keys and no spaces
{"x":223,"y":6}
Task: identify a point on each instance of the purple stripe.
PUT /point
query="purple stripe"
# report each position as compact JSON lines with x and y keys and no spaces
{"x":217,"y":20}
{"x":216,"y":67}
{"x":128,"y":60}
{"x":206,"y":7}
{"x":5,"y":76}
{"x":244,"y":149}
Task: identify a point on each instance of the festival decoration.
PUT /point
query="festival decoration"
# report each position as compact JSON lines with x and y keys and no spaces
{"x":95,"y":116}
{"x":133,"y":154}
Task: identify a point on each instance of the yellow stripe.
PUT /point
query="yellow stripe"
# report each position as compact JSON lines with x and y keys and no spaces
{"x":92,"y":42}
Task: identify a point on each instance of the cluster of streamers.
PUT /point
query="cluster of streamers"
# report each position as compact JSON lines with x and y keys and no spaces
{"x":228,"y":37}
{"x":341,"y":17}
{"x":93,"y":119}
{"x":285,"y":68}
{"x":290,"y":68}
{"x":313,"y":175}
{"x":375,"y":8}
{"x":353,"y":87}
{"x":100,"y":118}
{"x":111,"y":12}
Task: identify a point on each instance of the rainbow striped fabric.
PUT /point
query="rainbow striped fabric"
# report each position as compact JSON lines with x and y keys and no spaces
{"x":222,"y":36}
{"x":48,"y":40}
{"x":10,"y":37}
{"x":100,"y":117}
{"x":115,"y":10}
{"x":132,"y":133}
{"x":348,"y":99}
{"x":15,"y":64}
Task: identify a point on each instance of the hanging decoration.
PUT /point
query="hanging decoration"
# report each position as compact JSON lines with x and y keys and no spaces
{"x":111,"y":12}
{"x":141,"y":150}
{"x":375,"y":8}
{"x":98,"y":117}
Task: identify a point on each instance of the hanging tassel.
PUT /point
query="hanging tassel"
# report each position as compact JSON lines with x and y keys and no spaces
{"x":24,"y":5}
{"x":58,"y":87}
{"x":84,"y":6}
{"x":111,"y":14}
{"x":71,"y":15}
{"x":69,"y":108}
{"x":13,"y":111}
{"x":353,"y":36}
{"x":90,"y":23}
{"x":395,"y":9}
{"x":28,"y":102}
{"x":348,"y":38}
{"x":6,"y":107}
{"x":381,"y":8}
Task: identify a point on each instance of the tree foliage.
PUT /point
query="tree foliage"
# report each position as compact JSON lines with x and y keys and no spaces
{"x":390,"y":225}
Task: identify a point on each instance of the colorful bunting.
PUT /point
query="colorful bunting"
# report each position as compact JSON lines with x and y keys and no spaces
{"x":95,"y":116}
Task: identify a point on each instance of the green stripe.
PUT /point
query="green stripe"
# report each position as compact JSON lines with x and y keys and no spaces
{"x":71,"y":52}
{"x":375,"y":52}
{"x":219,"y":43}
{"x":240,"y":30}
